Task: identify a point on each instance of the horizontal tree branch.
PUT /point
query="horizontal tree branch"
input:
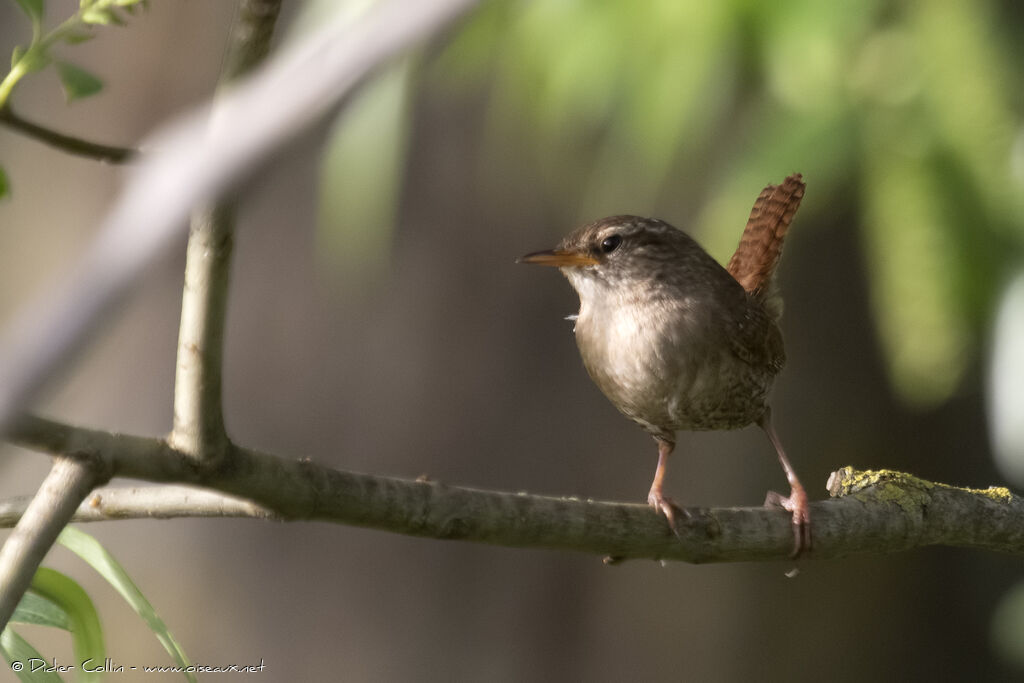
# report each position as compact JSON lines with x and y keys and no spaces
{"x":870,"y":513}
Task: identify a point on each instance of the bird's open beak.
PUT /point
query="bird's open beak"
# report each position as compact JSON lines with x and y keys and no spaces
{"x":558,"y":258}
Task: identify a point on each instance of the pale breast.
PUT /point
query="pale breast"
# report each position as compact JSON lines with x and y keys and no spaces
{"x":668,"y":367}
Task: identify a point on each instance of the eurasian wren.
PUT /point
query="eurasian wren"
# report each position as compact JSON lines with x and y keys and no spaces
{"x":676,"y":341}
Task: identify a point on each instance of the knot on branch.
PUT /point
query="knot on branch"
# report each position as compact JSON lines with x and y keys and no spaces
{"x":100,"y":469}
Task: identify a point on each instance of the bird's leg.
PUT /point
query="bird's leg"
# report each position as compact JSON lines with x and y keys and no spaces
{"x":797,"y":501}
{"x":656,"y":498}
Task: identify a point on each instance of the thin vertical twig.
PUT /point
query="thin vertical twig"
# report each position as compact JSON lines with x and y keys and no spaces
{"x":198,"y":414}
{"x":198,"y":418}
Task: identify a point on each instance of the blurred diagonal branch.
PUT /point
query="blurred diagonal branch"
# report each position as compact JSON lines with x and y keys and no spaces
{"x":188,"y":161}
{"x":870,"y":513}
{"x":70,"y":480}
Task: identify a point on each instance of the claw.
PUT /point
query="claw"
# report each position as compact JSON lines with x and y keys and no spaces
{"x":667,"y":507}
{"x":656,"y":499}
{"x":798,"y":505}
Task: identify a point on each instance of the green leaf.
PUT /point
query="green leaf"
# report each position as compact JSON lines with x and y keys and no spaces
{"x":17,"y":651}
{"x":77,"y":82}
{"x":76,"y":37}
{"x":912,"y":259}
{"x":16,"y":54}
{"x":5,"y":187}
{"x":33,"y":9}
{"x":35,"y":609}
{"x":361,"y":175}
{"x":90,"y":550}
{"x":102,"y":15}
{"x":86,"y":633}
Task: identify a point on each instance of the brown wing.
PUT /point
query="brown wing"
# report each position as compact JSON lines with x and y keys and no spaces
{"x":759,"y":250}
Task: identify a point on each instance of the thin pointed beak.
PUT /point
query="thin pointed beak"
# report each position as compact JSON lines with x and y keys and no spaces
{"x":558,"y":258}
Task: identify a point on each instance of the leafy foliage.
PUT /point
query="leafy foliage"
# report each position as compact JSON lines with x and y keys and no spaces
{"x":33,"y":9}
{"x":65,"y":595}
{"x":361,"y":172}
{"x":16,"y":650}
{"x":58,"y":601}
{"x":76,"y":29}
{"x":90,"y":550}
{"x":76,"y":81}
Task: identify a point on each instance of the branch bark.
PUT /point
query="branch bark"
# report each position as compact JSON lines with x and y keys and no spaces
{"x":870,"y":513}
{"x":146,"y":502}
{"x":198,"y":414}
{"x":68,"y":483}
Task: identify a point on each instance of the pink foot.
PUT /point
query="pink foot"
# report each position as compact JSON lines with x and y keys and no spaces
{"x":667,"y":507}
{"x":798,"y":505}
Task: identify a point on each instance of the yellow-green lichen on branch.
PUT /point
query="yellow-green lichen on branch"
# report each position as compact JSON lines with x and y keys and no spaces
{"x":901,"y":488}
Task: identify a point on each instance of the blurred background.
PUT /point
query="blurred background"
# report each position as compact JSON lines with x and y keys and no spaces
{"x":378,"y":323}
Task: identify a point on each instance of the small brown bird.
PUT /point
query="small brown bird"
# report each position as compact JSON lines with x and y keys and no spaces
{"x":676,"y":341}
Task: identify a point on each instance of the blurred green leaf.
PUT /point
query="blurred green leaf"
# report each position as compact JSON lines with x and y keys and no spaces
{"x":967,"y":95}
{"x":5,"y":187}
{"x":86,"y":633}
{"x":361,"y":175}
{"x":90,"y":550}
{"x":76,"y":37}
{"x":35,"y":609}
{"x":471,"y":53}
{"x":16,"y":649}
{"x":778,"y":143}
{"x":131,"y":6}
{"x":102,"y":15}
{"x":911,"y":256}
{"x":16,"y":54}
{"x":77,"y":82}
{"x":33,"y":9}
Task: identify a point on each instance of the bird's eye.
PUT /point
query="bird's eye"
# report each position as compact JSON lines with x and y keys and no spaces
{"x":611,"y":243}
